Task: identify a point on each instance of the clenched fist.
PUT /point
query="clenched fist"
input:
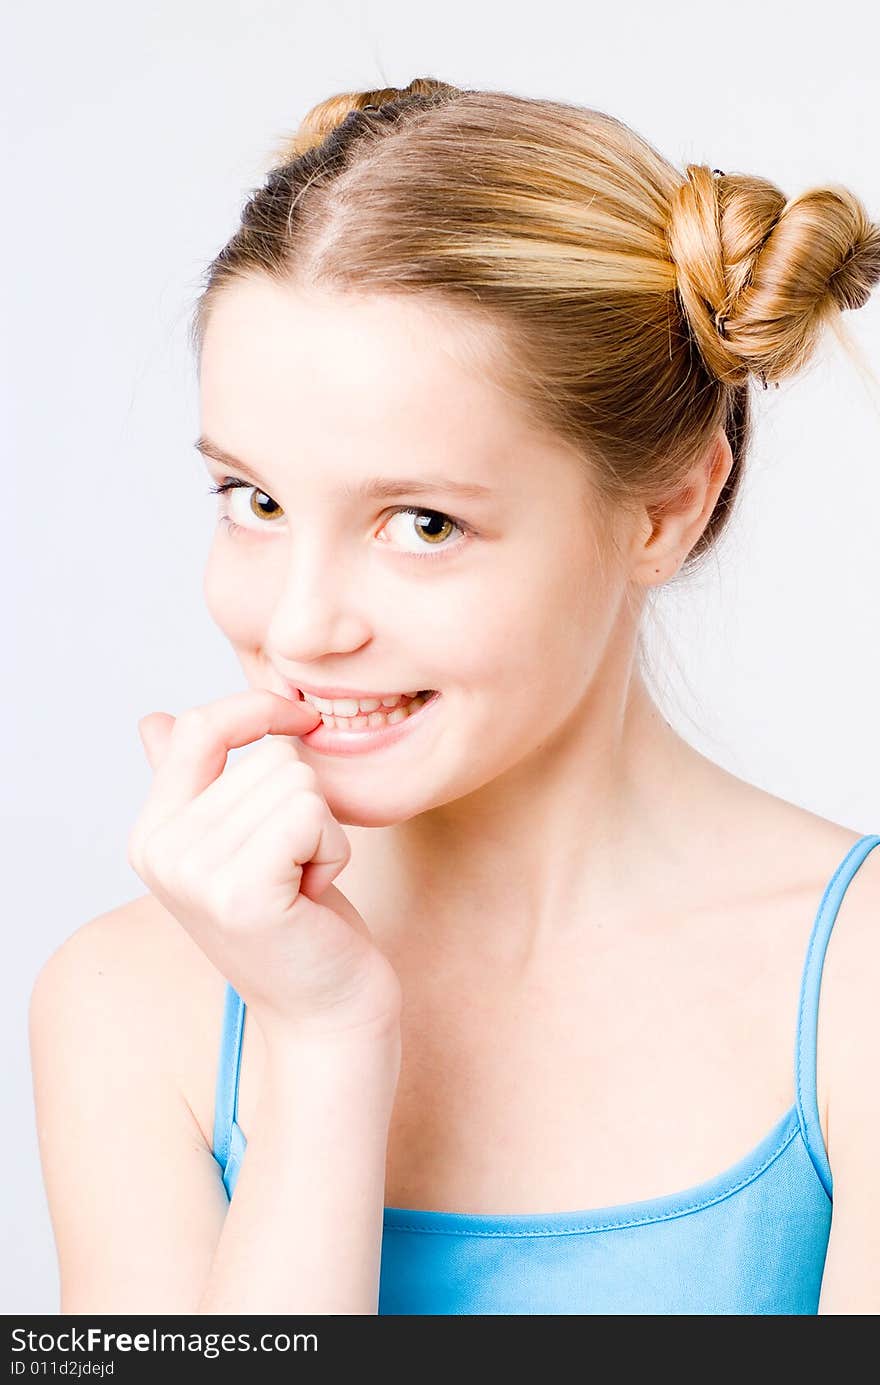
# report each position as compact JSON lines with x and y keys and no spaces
{"x":243,"y":856}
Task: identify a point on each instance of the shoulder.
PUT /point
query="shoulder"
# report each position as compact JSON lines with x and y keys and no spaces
{"x":129,"y":932}
{"x":813,"y":849}
{"x":137,"y":948}
{"x":849,"y":1020}
{"x":134,"y":971}
{"x":134,"y":1194}
{"x":849,"y":1038}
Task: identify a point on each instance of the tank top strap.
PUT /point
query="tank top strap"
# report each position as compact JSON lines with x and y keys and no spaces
{"x":234,"y":1013}
{"x":808,"y":1007}
{"x":226,"y":1094}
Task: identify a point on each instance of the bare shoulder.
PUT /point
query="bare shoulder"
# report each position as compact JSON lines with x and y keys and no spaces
{"x":135,"y":931}
{"x":812,"y":849}
{"x":849,"y":1031}
{"x":800,"y":854}
{"x":848,"y":1041}
{"x":134,"y":1193}
{"x":137,"y":961}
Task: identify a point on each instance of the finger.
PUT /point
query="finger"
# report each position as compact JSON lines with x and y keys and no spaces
{"x":217,"y":836}
{"x":202,"y":737}
{"x":330,"y":857}
{"x":154,"y":731}
{"x":243,"y":780}
{"x":299,"y":844}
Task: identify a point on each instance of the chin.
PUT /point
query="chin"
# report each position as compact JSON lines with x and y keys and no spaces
{"x":376,"y":806}
{"x":374,"y":815}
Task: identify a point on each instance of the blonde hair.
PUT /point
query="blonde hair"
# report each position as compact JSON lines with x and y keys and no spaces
{"x":632,"y":303}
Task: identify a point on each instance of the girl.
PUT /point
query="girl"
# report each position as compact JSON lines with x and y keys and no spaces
{"x":472,"y":987}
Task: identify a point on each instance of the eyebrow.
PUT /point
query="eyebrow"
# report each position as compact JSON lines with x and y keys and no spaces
{"x":373,"y":487}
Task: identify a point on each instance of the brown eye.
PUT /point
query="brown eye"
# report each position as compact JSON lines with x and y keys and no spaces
{"x":435,"y":522}
{"x":256,"y":504}
{"x":431,"y":530}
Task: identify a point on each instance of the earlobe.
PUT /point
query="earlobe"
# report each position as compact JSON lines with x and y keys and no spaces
{"x":659,"y":542}
{"x":659,"y":565}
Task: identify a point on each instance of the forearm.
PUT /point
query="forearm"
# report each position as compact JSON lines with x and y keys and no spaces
{"x":304,"y":1228}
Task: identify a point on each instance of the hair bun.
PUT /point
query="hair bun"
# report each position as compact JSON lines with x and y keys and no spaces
{"x":851,"y":283}
{"x":758,"y":274}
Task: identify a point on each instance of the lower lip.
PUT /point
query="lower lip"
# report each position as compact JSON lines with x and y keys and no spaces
{"x":332,"y":741}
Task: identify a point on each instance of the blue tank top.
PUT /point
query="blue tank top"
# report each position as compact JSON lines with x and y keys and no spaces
{"x":753,"y":1239}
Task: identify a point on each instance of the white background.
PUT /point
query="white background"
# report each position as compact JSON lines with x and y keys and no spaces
{"x":134,"y":134}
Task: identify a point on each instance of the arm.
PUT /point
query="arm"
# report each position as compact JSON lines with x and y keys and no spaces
{"x":134,"y":1194}
{"x":141,"y":1219}
{"x":303,"y":1233}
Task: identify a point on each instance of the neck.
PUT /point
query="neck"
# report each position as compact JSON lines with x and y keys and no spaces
{"x":518,"y":869}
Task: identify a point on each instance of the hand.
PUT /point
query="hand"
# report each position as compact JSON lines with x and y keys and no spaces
{"x":243,"y":857}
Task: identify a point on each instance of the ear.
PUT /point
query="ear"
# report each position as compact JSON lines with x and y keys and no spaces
{"x":672,"y":528}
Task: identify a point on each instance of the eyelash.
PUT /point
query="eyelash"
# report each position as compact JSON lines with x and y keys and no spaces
{"x":233,"y":483}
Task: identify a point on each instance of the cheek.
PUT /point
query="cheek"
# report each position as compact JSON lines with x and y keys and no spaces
{"x":546,"y":628}
{"x":233,"y":598}
{"x":538,"y":622}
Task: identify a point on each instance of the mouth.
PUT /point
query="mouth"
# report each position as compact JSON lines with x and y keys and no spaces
{"x":367,"y":730}
{"x":362,"y":713}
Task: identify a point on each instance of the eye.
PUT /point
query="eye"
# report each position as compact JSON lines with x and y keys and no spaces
{"x":429,"y":538}
{"x":431,"y":535}
{"x":232,"y":483}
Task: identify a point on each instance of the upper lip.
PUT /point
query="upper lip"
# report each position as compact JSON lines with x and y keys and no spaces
{"x":340,"y":692}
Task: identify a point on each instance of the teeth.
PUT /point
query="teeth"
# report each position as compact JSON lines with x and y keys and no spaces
{"x":373,"y":720}
{"x":352,"y":707}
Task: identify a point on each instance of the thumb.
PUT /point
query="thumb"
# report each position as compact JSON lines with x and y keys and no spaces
{"x":155,"y":731}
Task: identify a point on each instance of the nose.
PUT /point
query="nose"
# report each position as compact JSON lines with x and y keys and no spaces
{"x":318,"y":610}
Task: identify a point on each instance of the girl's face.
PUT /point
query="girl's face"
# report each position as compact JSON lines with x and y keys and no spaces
{"x":496,"y":598}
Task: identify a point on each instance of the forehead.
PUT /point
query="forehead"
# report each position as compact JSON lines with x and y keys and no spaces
{"x":342,"y":377}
